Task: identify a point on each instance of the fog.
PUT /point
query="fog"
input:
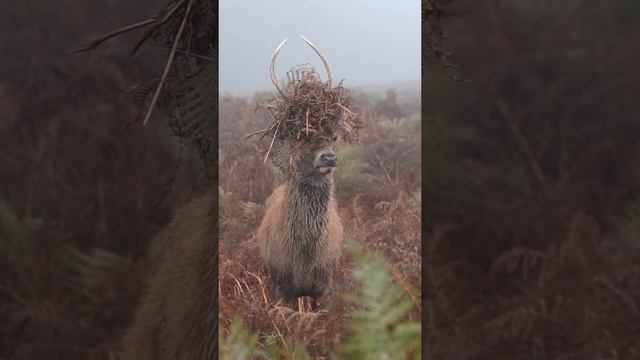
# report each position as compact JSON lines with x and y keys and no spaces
{"x":367,"y":43}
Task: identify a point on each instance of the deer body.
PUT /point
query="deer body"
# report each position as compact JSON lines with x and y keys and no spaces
{"x":300,"y":237}
{"x":177,"y":317}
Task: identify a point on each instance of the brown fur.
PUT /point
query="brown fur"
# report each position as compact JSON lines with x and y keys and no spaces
{"x":300,"y":237}
{"x":177,"y":318}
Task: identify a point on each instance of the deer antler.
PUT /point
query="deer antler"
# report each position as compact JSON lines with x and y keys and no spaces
{"x":324,"y":60}
{"x":272,"y":71}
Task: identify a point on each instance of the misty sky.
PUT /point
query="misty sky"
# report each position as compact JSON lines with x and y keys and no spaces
{"x":366,"y":42}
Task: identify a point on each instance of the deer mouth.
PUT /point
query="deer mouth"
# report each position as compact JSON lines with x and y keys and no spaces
{"x":325,"y":170}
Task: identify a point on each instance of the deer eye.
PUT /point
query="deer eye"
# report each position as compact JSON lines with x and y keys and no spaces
{"x":335,"y":138}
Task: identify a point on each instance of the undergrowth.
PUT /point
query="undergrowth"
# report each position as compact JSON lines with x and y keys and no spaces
{"x":532,"y":187}
{"x":378,"y":323}
{"x":376,"y":182}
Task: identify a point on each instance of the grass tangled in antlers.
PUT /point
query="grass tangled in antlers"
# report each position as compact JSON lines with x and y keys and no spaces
{"x":311,"y":110}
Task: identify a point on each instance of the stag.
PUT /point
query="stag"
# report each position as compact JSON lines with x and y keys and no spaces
{"x":300,"y":236}
{"x":178,"y":316}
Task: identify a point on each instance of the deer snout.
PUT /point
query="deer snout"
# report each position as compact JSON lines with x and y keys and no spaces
{"x":326,"y":160}
{"x":329,"y":159}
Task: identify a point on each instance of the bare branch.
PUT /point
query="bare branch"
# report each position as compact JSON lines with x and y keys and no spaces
{"x":155,"y":27}
{"x":92,"y":45}
{"x":167,"y":66}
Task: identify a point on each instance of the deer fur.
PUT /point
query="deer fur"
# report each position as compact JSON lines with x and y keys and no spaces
{"x":177,"y":317}
{"x":300,"y":237}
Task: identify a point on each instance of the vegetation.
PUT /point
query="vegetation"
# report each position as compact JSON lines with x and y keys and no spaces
{"x":374,"y":183}
{"x":378,"y":326}
{"x":379,"y":332}
{"x":82,"y":195}
{"x":531,"y":191}
{"x":532,"y":184}
{"x":80,"y":198}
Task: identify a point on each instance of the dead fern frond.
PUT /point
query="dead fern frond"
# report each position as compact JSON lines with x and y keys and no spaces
{"x":527,"y":262}
{"x":518,"y":323}
{"x":186,"y":90}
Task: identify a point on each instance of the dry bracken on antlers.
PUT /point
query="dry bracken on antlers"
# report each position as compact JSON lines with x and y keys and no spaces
{"x":308,"y":108}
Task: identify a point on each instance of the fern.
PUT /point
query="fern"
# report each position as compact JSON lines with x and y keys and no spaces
{"x":380,"y":328}
{"x":239,"y":343}
{"x":248,"y":208}
{"x":186,"y":91}
{"x":191,"y":108}
{"x":92,"y":270}
{"x":291,"y":349}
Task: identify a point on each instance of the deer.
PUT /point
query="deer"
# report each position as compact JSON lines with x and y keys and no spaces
{"x":300,"y":236}
{"x":178,"y":315}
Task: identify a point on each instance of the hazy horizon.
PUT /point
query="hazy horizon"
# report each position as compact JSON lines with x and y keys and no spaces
{"x":399,"y":86}
{"x":366,"y":45}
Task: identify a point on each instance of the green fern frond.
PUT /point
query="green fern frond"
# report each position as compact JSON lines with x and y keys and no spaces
{"x":275,"y":349}
{"x":294,"y":350}
{"x":240,"y":343}
{"x":248,"y":207}
{"x":271,"y":346}
{"x":381,"y":330}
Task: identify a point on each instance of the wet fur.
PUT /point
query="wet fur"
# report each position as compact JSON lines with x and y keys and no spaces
{"x":300,"y":237}
{"x":177,"y":317}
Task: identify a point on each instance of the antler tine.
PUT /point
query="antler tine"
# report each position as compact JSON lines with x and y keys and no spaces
{"x":324,"y":60}
{"x":272,"y":71}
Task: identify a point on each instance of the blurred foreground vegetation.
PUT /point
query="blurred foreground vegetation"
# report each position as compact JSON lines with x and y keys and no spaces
{"x":532,"y":183}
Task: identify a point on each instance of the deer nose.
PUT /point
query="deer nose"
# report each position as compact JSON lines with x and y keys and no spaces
{"x":330,"y":159}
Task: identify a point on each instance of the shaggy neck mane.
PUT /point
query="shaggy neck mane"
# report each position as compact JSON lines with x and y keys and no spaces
{"x":307,"y":213}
